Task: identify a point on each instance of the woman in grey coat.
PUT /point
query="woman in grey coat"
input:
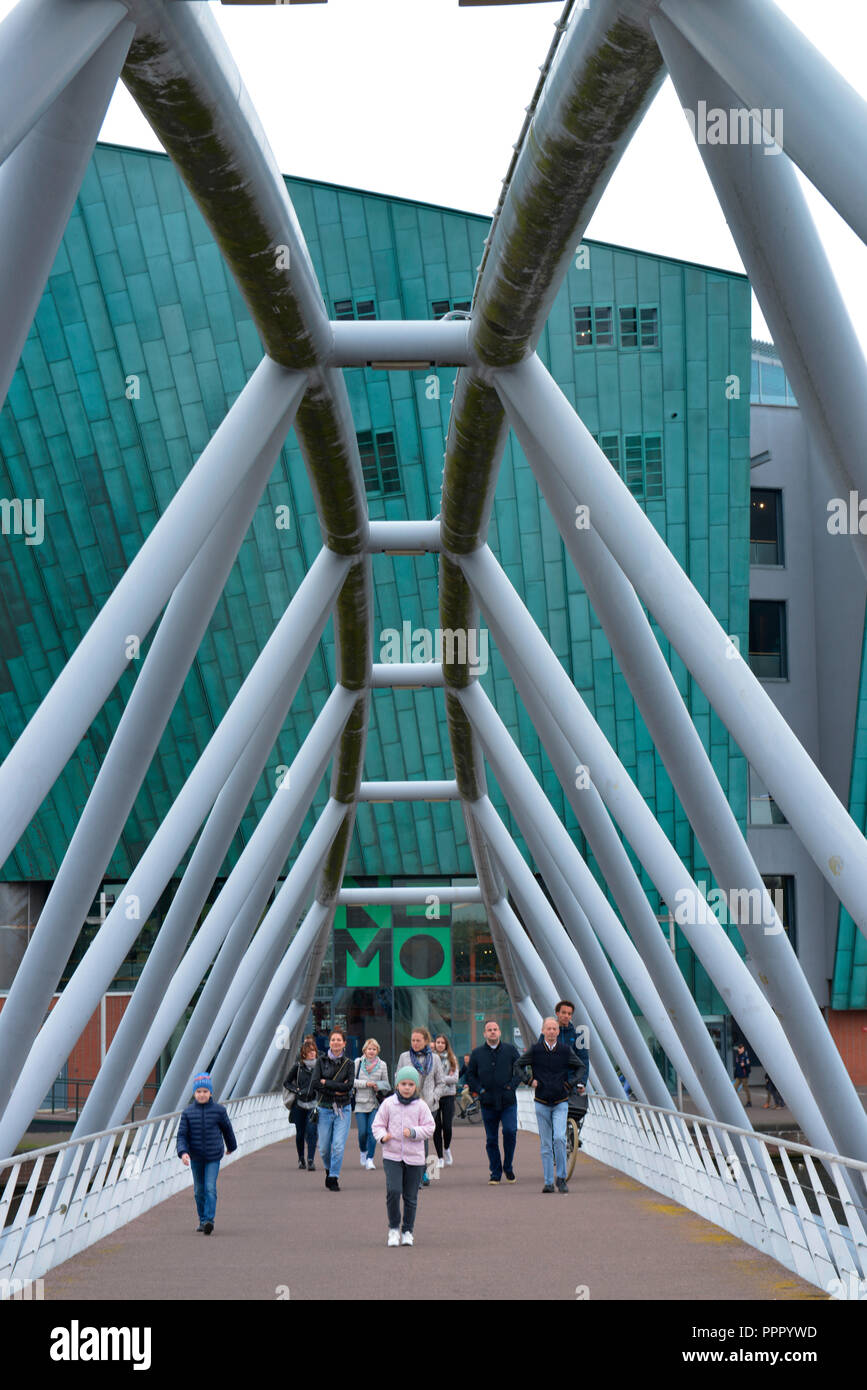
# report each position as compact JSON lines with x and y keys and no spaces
{"x":431,"y":1074}
{"x":371,"y":1083}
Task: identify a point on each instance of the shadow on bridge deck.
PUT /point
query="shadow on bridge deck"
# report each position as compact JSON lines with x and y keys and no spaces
{"x":279,"y":1230}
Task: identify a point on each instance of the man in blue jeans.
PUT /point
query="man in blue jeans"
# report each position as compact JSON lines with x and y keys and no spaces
{"x":556,"y":1070}
{"x":202,"y":1128}
{"x":491,"y":1075}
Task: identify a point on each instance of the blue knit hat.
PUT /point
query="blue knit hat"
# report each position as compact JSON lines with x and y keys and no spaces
{"x":203,"y":1082}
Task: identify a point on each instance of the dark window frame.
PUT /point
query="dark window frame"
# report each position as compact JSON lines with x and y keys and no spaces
{"x":775,"y":495}
{"x":762,"y":660}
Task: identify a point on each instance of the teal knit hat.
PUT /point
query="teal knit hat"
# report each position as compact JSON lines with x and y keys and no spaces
{"x":407,"y":1074}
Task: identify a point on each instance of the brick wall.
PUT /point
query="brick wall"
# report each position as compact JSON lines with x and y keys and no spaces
{"x":84,"y":1059}
{"x":849,"y":1031}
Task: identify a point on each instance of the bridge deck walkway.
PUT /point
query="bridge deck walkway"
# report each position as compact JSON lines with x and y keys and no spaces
{"x":279,"y":1233}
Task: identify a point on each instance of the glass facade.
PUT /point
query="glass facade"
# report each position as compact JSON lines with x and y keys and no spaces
{"x":390,"y":969}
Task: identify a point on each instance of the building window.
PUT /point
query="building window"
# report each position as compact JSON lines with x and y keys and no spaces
{"x":781,"y":888}
{"x":441,"y":307}
{"x":649,"y":323}
{"x":766,"y":526}
{"x":633,"y":458}
{"x":610,"y":446}
{"x":379,"y":461}
{"x":768,"y":654}
{"x":652,"y":466}
{"x":354,"y":309}
{"x":763,"y":808}
{"x":594,"y":323}
{"x":639,"y":326}
{"x":629,"y":328}
{"x":604,"y":326}
{"x":583,"y":321}
{"x":641,"y":457}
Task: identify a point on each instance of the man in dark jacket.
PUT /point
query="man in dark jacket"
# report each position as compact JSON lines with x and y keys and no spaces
{"x":563,"y":1012}
{"x":555,"y":1068}
{"x":492,"y":1076}
{"x":203,"y":1127}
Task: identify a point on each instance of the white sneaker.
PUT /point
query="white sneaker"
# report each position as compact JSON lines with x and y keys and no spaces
{"x":364,"y":1160}
{"x":449,"y":1159}
{"x":393,"y":1238}
{"x":369,"y":1165}
{"x":406,"y":1238}
{"x":441,"y":1163}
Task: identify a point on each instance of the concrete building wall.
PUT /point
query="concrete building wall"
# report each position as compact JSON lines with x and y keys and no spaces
{"x":824,"y":591}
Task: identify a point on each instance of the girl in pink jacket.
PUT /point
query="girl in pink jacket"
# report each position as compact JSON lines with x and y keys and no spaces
{"x":401,"y":1125}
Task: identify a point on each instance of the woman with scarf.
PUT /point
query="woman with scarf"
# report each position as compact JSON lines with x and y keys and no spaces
{"x":403,"y":1124}
{"x":431,"y":1074}
{"x":371,"y":1079}
{"x":332,"y":1080}
{"x":299,"y":1080}
{"x":446,"y":1112}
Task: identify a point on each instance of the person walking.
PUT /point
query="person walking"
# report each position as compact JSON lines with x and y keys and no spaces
{"x":555,"y":1068}
{"x":299,"y":1080}
{"x":742,"y":1068}
{"x":402,"y":1125}
{"x":371,"y":1079}
{"x":202,"y":1128}
{"x":333,"y":1079}
{"x":431,"y":1076}
{"x":446,"y":1110}
{"x":564,"y":1011}
{"x":492,"y":1076}
{"x":774,"y":1099}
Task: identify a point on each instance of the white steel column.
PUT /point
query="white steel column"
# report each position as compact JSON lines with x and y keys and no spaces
{"x":825,"y":828}
{"x":771,"y":65}
{"x":707,"y":809}
{"x":623,"y":881}
{"x":314,"y":928}
{"x":538,"y":913}
{"x":43,"y":45}
{"x":260,"y":419}
{"x":503,"y":609}
{"x":39,"y":181}
{"x":123,"y":770}
{"x":286,"y":654}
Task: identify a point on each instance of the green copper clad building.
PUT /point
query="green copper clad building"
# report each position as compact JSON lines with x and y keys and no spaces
{"x":140,"y":345}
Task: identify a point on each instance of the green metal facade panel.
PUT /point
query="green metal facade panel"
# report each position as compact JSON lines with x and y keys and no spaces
{"x":849,"y":984}
{"x":141,"y":343}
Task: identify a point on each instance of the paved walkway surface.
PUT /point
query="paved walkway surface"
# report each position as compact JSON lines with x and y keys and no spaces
{"x":280,"y":1234}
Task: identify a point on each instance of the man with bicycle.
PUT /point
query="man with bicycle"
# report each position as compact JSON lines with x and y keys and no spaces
{"x":556,"y":1069}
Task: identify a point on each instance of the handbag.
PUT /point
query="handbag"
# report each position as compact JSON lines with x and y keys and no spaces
{"x":290,"y":1093}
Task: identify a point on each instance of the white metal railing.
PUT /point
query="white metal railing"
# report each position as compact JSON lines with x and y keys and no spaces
{"x":76,"y":1193}
{"x":808,"y":1210}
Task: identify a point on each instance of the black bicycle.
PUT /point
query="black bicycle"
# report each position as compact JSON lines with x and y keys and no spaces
{"x":574,"y":1121}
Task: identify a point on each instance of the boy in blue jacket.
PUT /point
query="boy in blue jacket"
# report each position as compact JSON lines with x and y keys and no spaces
{"x":203,"y":1127}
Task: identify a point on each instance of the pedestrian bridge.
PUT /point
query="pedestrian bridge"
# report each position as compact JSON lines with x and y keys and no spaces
{"x":730,"y":1190}
{"x":803,"y":1208}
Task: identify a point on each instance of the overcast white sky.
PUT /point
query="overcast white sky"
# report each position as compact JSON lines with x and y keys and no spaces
{"x":422,"y":99}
